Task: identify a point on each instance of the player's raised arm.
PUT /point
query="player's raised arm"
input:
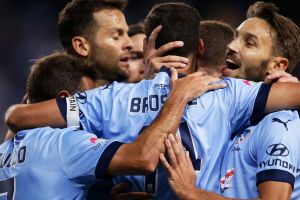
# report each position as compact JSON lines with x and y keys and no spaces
{"x":144,"y":153}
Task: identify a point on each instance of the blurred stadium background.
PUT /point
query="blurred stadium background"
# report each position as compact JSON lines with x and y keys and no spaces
{"x":28,"y":31}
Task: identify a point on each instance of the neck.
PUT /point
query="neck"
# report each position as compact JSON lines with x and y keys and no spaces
{"x":191,"y":66}
{"x":101,"y":82}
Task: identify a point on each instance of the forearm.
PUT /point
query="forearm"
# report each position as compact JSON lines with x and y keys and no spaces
{"x":283,"y":96}
{"x":144,"y":152}
{"x":25,"y":116}
{"x":150,"y":143}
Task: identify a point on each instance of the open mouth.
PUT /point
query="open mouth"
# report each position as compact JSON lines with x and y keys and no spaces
{"x":124,"y":59}
{"x":231,"y":65}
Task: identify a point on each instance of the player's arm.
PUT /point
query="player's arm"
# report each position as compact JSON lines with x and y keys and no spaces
{"x":143,"y":155}
{"x":182,"y":177}
{"x":25,"y":116}
{"x":277,"y":138}
{"x":283,"y":96}
{"x":275,"y":190}
{"x":181,"y":172}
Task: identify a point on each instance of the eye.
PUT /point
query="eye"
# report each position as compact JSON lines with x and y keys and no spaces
{"x":250,"y":43}
{"x":116,"y":36}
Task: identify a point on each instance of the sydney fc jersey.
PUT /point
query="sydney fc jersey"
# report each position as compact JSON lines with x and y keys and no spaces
{"x":46,"y":163}
{"x":266,"y":152}
{"x":120,"y":111}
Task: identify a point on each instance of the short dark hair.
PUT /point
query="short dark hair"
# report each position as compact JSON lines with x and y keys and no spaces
{"x":216,"y":35}
{"x":134,"y":29}
{"x":76,"y":19}
{"x":287,"y":40}
{"x":179,"y":22}
{"x":53,"y":73}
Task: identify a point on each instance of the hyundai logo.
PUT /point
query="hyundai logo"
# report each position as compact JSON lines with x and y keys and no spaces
{"x":277,"y":150}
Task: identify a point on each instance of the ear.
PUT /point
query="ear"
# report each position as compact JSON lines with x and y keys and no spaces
{"x":81,"y":46}
{"x":63,"y":94}
{"x":279,"y":64}
{"x":145,"y":45}
{"x":200,"y":47}
{"x":25,"y":99}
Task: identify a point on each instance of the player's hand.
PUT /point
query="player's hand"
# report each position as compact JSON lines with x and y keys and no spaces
{"x":118,"y":193}
{"x":153,"y":58}
{"x":283,"y":76}
{"x":180,"y":170}
{"x":193,"y":85}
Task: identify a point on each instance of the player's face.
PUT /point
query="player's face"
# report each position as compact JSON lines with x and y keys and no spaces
{"x":251,"y":49}
{"x":136,"y":65}
{"x":110,"y":49}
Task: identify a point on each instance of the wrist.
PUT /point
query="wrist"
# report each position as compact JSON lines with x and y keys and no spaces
{"x":187,"y":194}
{"x":179,"y":96}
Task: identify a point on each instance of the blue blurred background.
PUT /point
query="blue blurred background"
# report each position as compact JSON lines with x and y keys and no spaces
{"x":28,"y":31}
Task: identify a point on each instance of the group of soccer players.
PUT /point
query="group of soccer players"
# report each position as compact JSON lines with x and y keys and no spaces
{"x":215,"y":138}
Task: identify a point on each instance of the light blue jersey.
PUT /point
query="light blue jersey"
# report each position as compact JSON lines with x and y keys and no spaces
{"x":120,"y":111}
{"x":269,"y":151}
{"x":46,"y":163}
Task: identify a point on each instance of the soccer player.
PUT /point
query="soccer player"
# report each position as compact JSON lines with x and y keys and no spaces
{"x":136,"y":64}
{"x":261,"y":161}
{"x":265,"y":155}
{"x":215,"y":36}
{"x":46,"y":163}
{"x":121,"y":110}
{"x":96,"y":32}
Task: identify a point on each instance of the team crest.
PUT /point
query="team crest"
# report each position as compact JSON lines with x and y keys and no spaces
{"x":244,"y":136}
{"x":163,"y":88}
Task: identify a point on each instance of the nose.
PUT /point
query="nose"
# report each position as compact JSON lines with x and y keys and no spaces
{"x":128,"y":45}
{"x":232,"y":46}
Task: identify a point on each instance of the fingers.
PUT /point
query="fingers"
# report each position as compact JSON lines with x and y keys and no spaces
{"x":180,"y":146}
{"x":278,"y":74}
{"x":178,"y":151}
{"x":171,"y":154}
{"x":291,"y":79}
{"x":169,"y":61}
{"x":153,"y":36}
{"x":216,"y":86}
{"x":169,"y":46}
{"x":174,"y":76}
{"x":165,"y":164}
{"x":173,"y":59}
{"x":282,"y":76}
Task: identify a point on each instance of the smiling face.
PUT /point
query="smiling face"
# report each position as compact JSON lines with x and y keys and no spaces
{"x":111,"y":45}
{"x":251,"y":49}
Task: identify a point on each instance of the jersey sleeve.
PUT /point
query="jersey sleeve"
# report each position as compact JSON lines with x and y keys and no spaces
{"x":84,"y":157}
{"x":277,"y":147}
{"x":246,"y":102}
{"x":105,"y":104}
